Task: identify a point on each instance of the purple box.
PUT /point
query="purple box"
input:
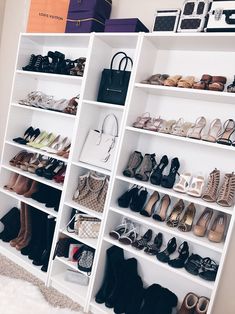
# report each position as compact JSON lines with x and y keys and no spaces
{"x":125,"y":25}
{"x":83,"y":22}
{"x":100,"y":8}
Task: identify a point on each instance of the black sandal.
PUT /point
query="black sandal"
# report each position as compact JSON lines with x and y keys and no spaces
{"x":156,"y":176}
{"x":143,"y":241}
{"x":193,"y":264}
{"x":169,"y":180}
{"x":229,"y":129}
{"x":183,"y":255}
{"x":138,"y":200}
{"x":153,"y":249}
{"x":209,"y":269}
{"x":164,"y":256}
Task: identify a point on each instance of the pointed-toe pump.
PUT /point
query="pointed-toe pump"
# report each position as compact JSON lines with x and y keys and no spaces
{"x":181,"y":259}
{"x":149,"y":208}
{"x":218,"y":228}
{"x":161,"y":211}
{"x":201,"y":225}
{"x":156,"y":176}
{"x":169,"y":180}
{"x":164,"y":256}
{"x":186,"y":222}
{"x":174,"y":217}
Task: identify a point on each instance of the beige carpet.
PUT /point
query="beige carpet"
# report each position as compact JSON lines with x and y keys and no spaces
{"x":52,"y":296}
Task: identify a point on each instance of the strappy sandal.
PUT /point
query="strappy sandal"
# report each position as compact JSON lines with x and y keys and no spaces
{"x":143,"y":241}
{"x":196,"y":130}
{"x":193,"y":264}
{"x":203,"y":83}
{"x":18,"y":158}
{"x":130,"y":235}
{"x":186,"y":82}
{"x":181,"y":128}
{"x":151,"y":78}
{"x":172,"y":81}
{"x":181,"y":259}
{"x":231,"y":87}
{"x":186,"y":222}
{"x":210,"y":192}
{"x":196,"y":186}
{"x":153,"y":124}
{"x":164,"y":256}
{"x":214,"y":130}
{"x":229,"y":129}
{"x":227,"y":191}
{"x":174,"y":217}
{"x":120,"y":230}
{"x":167,"y":126}
{"x":142,"y":120}
{"x":209,"y":269}
{"x":153,"y":249}
{"x":183,"y":183}
{"x":217,"y":83}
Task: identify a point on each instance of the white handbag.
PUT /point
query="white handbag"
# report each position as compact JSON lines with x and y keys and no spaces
{"x":99,"y":148}
{"x":221,"y":17}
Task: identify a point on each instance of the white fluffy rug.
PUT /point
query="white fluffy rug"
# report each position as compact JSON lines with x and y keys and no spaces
{"x":21,"y":297}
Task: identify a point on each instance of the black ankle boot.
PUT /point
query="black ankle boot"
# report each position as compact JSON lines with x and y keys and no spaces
{"x":114,"y":256}
{"x":30,"y":65}
{"x":50,"y":234}
{"x":151,"y":297}
{"x":11,"y":222}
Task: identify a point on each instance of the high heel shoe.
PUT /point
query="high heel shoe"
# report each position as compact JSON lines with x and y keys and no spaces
{"x":164,"y":256}
{"x":201,"y":225}
{"x":25,"y":162}
{"x":154,"y":247}
{"x":27,"y":134}
{"x":196,"y":130}
{"x":38,"y":140}
{"x":149,"y":208}
{"x":64,"y":151}
{"x":217,"y":230}
{"x":50,"y":172}
{"x":17,"y":158}
{"x":125,"y":199}
{"x":133,"y":163}
{"x":130,"y":235}
{"x":183,"y":184}
{"x":45,"y":142}
{"x":59,"y":178}
{"x":22,"y":185}
{"x":138,"y":200}
{"x":174,"y":217}
{"x":214,"y":131}
{"x":36,"y":163}
{"x":186,"y":222}
{"x":33,"y":189}
{"x":12,"y":181}
{"x":160,"y":212}
{"x":156,"y":176}
{"x":44,"y":164}
{"x":181,"y":259}
{"x":142,"y":120}
{"x":228,"y":130}
{"x":210,"y":192}
{"x":227,"y":191}
{"x":196,"y":187}
{"x":52,"y":145}
{"x":120,"y":229}
{"x":169,"y":180}
{"x":144,"y":170}
{"x":143,"y":241}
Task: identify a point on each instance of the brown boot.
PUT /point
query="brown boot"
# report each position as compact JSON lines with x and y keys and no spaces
{"x":22,"y":185}
{"x":189,"y":304}
{"x":227,"y":191}
{"x":28,"y":229}
{"x":22,"y":227}
{"x":34,"y":188}
{"x":202,"y":306}
{"x":12,"y":181}
{"x":210,"y":193}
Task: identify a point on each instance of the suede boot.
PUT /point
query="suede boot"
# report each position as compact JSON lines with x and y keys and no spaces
{"x":11,"y":222}
{"x":21,"y":233}
{"x":50,"y":234}
{"x":28,"y":229}
{"x":167,"y":302}
{"x":152,"y":296}
{"x":41,"y":242}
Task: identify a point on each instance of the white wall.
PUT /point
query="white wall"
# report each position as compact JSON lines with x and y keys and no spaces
{"x":16,"y":12}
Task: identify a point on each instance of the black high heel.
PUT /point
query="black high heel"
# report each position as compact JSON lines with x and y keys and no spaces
{"x":169,"y":180}
{"x":53,"y":170}
{"x":38,"y":64}
{"x":31,"y":138}
{"x":156,"y":176}
{"x":27,"y":135}
{"x":138,"y":200}
{"x":30,"y":65}
{"x":164,"y":256}
{"x":153,"y":248}
{"x":125,"y":199}
{"x":143,"y":241}
{"x":183,"y":255}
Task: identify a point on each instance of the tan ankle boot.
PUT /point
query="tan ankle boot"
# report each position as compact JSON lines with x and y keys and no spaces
{"x":22,"y":227}
{"x":210,"y":193}
{"x":28,"y":230}
{"x":202,"y":306}
{"x":227,"y":191}
{"x":189,"y":304}
{"x":22,"y":185}
{"x":34,"y":188}
{"x":12,"y":181}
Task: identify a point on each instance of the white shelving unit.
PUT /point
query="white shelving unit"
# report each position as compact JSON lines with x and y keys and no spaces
{"x":183,"y":54}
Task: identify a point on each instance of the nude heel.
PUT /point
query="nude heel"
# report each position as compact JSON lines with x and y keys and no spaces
{"x":203,"y":222}
{"x":216,"y":233}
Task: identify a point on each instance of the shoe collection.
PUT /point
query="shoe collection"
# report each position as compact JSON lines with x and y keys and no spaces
{"x":194,"y":304}
{"x":35,"y":190}
{"x":194,"y":185}
{"x":145,"y":168}
{"x":48,"y":142}
{"x":207,"y":82}
{"x":128,"y":233}
{"x":181,"y":217}
{"x":216,"y":133}
{"x":123,"y":289}
{"x":48,"y":168}
{"x":56,"y":63}
{"x":31,"y":232}
{"x":38,"y":99}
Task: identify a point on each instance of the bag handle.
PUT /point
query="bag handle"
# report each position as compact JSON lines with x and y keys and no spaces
{"x":127,"y":59}
{"x":99,"y":189}
{"x":114,"y":57}
{"x":116,"y":124}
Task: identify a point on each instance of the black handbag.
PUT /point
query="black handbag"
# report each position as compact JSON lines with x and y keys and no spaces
{"x":114,"y":83}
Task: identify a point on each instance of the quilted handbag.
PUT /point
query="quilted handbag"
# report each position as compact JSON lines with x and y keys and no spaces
{"x":87,"y":226}
{"x":62,"y":247}
{"x":166,"y":20}
{"x":100,"y":145}
{"x":114,"y":83}
{"x":91,"y":191}
{"x":85,"y":259}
